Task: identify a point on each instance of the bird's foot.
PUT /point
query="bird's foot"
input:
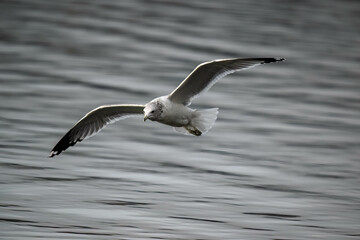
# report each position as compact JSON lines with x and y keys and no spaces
{"x":193,"y":130}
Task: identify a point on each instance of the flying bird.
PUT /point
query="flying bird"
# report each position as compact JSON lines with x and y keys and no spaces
{"x":171,"y":109}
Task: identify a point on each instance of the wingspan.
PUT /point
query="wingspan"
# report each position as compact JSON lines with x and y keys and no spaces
{"x":205,"y":75}
{"x":93,"y":122}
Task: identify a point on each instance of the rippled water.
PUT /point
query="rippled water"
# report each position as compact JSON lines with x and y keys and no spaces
{"x":282,"y":161}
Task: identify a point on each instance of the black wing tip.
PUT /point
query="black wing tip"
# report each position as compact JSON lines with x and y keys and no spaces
{"x":54,"y":153}
{"x":63,"y":144}
{"x":270,"y":60}
{"x":59,"y":148}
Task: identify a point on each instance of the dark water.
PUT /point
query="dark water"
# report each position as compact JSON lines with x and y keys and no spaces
{"x":282,"y":161}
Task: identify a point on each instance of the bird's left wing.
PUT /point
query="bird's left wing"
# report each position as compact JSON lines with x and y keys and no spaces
{"x":206,"y":74}
{"x":93,"y":122}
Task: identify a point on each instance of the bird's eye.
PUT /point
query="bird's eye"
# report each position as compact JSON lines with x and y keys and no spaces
{"x":152,"y":111}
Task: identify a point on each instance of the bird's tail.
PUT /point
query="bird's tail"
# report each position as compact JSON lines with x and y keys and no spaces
{"x":201,"y":122}
{"x":205,"y":119}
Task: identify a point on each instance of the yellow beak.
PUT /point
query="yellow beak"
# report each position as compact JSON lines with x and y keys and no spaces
{"x":145,"y":118}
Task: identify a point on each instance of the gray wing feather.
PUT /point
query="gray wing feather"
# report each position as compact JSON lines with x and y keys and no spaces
{"x":93,"y":122}
{"x":205,"y":75}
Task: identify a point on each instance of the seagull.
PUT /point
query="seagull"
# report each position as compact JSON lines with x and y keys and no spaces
{"x":170,"y":109}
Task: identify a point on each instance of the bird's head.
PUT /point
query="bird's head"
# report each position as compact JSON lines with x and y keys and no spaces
{"x":153,"y":111}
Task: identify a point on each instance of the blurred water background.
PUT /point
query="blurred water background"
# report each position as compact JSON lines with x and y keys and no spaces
{"x":281,"y":162}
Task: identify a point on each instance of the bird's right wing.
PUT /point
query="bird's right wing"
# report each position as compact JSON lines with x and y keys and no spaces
{"x":93,"y":122}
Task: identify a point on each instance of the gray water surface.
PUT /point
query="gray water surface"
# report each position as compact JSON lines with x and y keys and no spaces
{"x":281,"y":162}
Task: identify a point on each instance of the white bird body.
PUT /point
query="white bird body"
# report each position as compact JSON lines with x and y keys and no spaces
{"x":179,"y":116}
{"x":173,"y":114}
{"x":170,"y":110}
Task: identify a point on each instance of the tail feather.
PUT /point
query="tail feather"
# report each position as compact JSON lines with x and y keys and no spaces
{"x":202,"y":122}
{"x":205,"y":119}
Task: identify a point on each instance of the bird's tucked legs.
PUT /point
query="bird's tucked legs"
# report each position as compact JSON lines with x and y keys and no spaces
{"x":193,"y":130}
